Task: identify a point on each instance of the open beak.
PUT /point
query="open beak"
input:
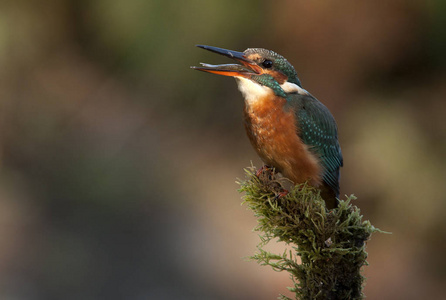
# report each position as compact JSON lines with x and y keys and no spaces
{"x":246,"y":69}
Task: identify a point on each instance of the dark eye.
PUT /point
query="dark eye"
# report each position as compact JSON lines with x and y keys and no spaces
{"x":267,"y":63}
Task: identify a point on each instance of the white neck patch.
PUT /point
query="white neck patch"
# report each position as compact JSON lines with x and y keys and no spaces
{"x":252,"y":91}
{"x":289,"y":87}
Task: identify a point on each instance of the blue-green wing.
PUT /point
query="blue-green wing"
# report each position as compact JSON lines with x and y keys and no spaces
{"x":318,"y":130}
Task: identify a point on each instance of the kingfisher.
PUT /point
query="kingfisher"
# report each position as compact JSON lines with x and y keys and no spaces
{"x":290,"y":130}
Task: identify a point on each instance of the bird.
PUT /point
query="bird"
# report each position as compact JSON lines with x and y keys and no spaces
{"x":290,"y":129}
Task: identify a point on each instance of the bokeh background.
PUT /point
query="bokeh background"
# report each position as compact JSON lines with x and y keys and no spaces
{"x":118,"y":163}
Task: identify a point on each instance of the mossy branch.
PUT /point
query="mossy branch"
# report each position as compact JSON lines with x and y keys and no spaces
{"x":330,"y":243}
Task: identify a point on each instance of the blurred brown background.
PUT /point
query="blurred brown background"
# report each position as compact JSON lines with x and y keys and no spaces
{"x":118,"y":162}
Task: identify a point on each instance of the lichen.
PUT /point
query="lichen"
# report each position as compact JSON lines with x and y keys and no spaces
{"x":330,"y":243}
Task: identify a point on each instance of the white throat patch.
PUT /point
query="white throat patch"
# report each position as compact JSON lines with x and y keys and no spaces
{"x":252,"y":91}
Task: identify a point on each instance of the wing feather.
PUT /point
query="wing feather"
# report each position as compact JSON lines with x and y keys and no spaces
{"x":319,"y":131}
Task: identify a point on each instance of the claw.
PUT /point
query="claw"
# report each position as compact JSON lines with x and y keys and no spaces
{"x":261,"y":170}
{"x":282,"y":194}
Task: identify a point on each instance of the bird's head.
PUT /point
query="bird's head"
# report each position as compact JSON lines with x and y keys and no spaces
{"x":260,"y":70}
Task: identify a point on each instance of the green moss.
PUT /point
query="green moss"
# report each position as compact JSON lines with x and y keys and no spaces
{"x":330,"y":243}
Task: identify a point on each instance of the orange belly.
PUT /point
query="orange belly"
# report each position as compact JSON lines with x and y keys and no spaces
{"x":274,"y":135}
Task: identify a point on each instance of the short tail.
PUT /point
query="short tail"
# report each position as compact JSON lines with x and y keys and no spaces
{"x":329,"y":196}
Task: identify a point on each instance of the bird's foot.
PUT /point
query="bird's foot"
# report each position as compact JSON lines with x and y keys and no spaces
{"x":265,"y":170}
{"x":267,"y":176}
{"x":281,"y":194}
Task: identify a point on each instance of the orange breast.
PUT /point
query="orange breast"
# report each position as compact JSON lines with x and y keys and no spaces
{"x":274,"y":135}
